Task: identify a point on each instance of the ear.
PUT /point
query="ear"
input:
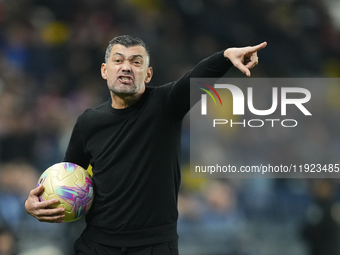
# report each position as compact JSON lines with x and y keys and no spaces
{"x":149,"y":74}
{"x":104,"y":71}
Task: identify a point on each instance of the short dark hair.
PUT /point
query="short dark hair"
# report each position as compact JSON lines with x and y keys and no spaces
{"x":127,"y":41}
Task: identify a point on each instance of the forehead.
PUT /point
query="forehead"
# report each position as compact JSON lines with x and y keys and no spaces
{"x":128,"y":51}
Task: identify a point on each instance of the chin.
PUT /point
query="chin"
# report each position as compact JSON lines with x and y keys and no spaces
{"x":124,"y":92}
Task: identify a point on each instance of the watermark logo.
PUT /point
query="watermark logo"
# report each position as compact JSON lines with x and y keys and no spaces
{"x":239,"y":103}
{"x":204,"y":97}
{"x":264,"y":127}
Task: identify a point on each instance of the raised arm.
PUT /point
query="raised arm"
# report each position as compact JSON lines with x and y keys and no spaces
{"x":214,"y":66}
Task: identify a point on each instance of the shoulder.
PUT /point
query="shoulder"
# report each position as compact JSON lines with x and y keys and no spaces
{"x":94,"y":112}
{"x":160,"y":93}
{"x":102,"y":108}
{"x":162,"y":89}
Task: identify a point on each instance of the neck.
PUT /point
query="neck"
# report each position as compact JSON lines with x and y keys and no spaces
{"x":122,"y":101}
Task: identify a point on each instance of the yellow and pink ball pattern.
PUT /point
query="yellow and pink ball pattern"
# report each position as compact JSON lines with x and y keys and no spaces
{"x":72,"y":185}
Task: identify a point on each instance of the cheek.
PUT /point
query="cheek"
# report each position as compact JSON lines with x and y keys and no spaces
{"x":110,"y":79}
{"x":111,"y":75}
{"x":142,"y":75}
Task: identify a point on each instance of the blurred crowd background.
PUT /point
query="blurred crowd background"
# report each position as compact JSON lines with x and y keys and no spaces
{"x":50,"y":57}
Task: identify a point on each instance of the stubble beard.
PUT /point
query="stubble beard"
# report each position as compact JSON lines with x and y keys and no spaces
{"x":121,"y":89}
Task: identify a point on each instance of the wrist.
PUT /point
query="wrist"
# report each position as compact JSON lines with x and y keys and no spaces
{"x":226,"y":53}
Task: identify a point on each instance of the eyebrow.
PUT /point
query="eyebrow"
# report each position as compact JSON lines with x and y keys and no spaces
{"x":132,"y":57}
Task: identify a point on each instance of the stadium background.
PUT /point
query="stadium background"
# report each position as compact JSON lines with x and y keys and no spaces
{"x":50,"y":57}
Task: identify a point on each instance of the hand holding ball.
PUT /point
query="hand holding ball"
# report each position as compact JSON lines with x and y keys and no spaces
{"x":72,"y":185}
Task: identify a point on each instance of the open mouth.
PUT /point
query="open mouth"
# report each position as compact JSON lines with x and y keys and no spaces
{"x":125,"y":79}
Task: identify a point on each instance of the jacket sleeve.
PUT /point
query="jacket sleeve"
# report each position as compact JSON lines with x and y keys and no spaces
{"x":75,"y":152}
{"x":214,"y":66}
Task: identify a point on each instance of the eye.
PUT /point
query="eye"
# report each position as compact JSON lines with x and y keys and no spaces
{"x":137,"y":62}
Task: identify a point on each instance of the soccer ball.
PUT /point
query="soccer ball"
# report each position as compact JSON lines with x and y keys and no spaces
{"x":72,"y":185}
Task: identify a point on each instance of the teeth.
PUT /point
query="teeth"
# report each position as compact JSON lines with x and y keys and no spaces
{"x":125,"y":78}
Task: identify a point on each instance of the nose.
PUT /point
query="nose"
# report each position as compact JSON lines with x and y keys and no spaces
{"x":126,"y":67}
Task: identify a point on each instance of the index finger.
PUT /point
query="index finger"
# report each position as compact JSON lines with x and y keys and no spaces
{"x":258,"y":47}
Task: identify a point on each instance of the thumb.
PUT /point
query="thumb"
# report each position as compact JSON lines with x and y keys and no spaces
{"x":37,"y":190}
{"x":243,"y":68}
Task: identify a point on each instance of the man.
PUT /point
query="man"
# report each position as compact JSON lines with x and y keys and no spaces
{"x":133,"y":144}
